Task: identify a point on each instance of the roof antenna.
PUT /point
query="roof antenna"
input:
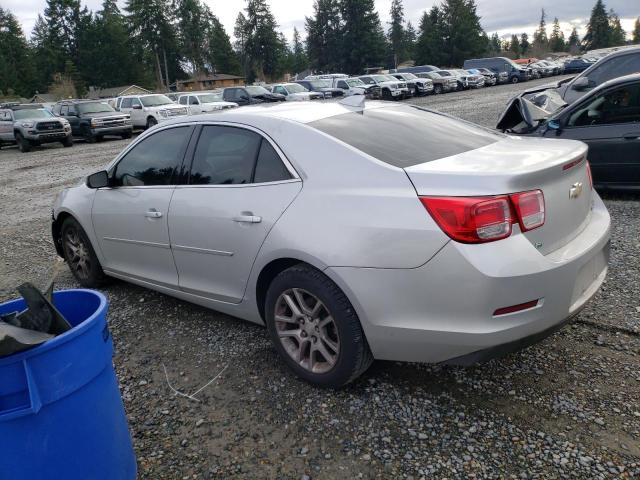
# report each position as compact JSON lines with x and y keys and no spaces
{"x":354,"y":101}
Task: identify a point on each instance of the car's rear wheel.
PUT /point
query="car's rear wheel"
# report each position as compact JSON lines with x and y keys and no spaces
{"x":314,"y":327}
{"x":80,"y":256}
{"x":23,"y":144}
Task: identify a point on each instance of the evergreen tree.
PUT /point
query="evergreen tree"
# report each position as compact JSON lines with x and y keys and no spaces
{"x":240,"y":45}
{"x":598,"y":29}
{"x":525,"y":46}
{"x":514,"y":46}
{"x":430,"y":43}
{"x":363,"y":40}
{"x":396,"y":33}
{"x":192,"y":24}
{"x":574,"y":42}
{"x":636,"y":31}
{"x":410,"y":38}
{"x":462,"y":34}
{"x":299,"y":62}
{"x":495,"y":45}
{"x":219,"y":56}
{"x":556,"y":40}
{"x":16,"y":61}
{"x":323,"y":36}
{"x":264,"y":47}
{"x":540,"y":44}
{"x":618,"y":35}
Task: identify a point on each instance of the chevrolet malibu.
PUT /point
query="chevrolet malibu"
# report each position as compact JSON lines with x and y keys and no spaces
{"x":353,"y":232}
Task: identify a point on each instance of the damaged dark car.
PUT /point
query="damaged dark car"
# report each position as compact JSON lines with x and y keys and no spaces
{"x":607,"y":119}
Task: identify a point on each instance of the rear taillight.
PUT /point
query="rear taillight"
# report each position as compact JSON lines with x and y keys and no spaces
{"x":589,"y":175}
{"x":486,"y":219}
{"x":529,"y":209}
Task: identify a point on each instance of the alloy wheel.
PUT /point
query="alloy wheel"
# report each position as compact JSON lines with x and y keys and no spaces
{"x":77,"y":253}
{"x":307,"y":330}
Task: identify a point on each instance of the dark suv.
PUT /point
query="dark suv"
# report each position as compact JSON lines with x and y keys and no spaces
{"x":250,"y":95}
{"x":93,"y":119}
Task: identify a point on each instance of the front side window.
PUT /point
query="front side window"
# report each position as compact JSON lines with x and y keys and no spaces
{"x":193,"y":101}
{"x":126,"y":103}
{"x":616,"y":67}
{"x":281,"y":90}
{"x":94,"y":107}
{"x":621,"y":105}
{"x":182,"y":101}
{"x":153,"y":161}
{"x":233,"y":156}
{"x":342,"y":84}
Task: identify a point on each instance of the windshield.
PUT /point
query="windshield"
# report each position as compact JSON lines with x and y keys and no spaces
{"x":295,"y":88}
{"x":31,"y":113}
{"x":94,"y":107}
{"x":390,"y":78}
{"x":355,"y":82}
{"x":320,"y":83}
{"x":432,"y":75}
{"x":155,"y":100}
{"x":256,"y":90}
{"x":380,"y":78}
{"x":210,"y":98}
{"x":409,"y":76}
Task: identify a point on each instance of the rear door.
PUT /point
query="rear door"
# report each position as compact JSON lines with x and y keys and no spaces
{"x":238,"y":188}
{"x":609,"y":123}
{"x":6,"y":126}
{"x":130,"y":218}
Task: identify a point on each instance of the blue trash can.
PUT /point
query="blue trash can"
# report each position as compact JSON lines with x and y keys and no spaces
{"x":61,"y":414}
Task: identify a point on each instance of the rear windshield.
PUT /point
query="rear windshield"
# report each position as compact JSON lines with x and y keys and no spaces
{"x":405,"y":135}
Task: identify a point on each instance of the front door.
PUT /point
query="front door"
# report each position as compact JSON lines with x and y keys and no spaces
{"x":130,"y":217}
{"x":133,"y":107}
{"x":610,"y":124}
{"x":238,"y":188}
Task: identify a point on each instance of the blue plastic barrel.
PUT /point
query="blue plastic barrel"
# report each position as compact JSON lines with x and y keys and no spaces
{"x":61,"y":414}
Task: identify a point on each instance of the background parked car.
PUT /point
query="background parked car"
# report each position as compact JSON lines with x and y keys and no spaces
{"x":149,"y":110}
{"x":93,"y":120}
{"x":616,"y":64}
{"x":294,"y":92}
{"x":32,"y":125}
{"x":576,"y":65}
{"x":323,"y":86}
{"x":204,"y":102}
{"x":416,"y":69}
{"x":391,"y":88}
{"x":419,"y":86}
{"x":441,"y":83}
{"x":490,"y":78}
{"x":514,"y":71}
{"x":607,"y":119}
{"x":250,"y":94}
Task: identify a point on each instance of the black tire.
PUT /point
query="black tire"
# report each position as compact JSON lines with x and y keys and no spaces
{"x":126,"y":136}
{"x":416,"y":92}
{"x":386,"y":94}
{"x":23,"y":144}
{"x":67,"y":142}
{"x":88,"y":136}
{"x":437,"y":89}
{"x":151,"y":122}
{"x":354,"y":356}
{"x":91,"y":275}
{"x":515,"y":79}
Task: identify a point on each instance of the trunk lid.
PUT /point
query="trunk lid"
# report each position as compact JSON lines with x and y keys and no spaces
{"x":516,"y":164}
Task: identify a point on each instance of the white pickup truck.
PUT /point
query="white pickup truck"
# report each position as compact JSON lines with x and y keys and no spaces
{"x":149,"y":110}
{"x":204,"y":102}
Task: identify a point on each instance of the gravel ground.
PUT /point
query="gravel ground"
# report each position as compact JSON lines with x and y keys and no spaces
{"x":565,"y":408}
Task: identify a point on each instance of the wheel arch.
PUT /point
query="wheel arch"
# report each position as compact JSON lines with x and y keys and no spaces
{"x":56,"y":230}
{"x":270,"y":271}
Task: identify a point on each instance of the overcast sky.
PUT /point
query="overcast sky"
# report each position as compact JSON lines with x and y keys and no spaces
{"x":502,"y":16}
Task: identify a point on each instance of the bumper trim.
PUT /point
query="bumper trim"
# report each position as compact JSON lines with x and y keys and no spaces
{"x":499,"y":351}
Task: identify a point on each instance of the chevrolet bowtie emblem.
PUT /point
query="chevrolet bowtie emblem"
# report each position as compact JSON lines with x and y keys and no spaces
{"x":575,"y":190}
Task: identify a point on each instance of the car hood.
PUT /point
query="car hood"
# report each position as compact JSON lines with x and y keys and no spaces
{"x":269,"y":96}
{"x":529,"y":109}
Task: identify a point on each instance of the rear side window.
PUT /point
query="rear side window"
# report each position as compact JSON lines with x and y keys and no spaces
{"x":153,"y":161}
{"x":269,"y":167}
{"x":405,"y":135}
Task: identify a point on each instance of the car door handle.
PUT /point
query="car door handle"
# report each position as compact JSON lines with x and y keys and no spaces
{"x":153,"y":213}
{"x":631,"y":136}
{"x":247,"y":219}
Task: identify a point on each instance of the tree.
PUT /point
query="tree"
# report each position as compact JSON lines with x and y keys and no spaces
{"x":495,"y":45}
{"x":574,"y":42}
{"x":323,"y":36}
{"x":514,"y":46}
{"x":363,"y":39}
{"x":410,"y":38}
{"x":636,"y":31}
{"x":556,"y":40}
{"x":525,"y":46}
{"x":462,"y":34}
{"x":263,"y":45}
{"x":16,"y":61}
{"x":540,"y":44}
{"x":192,"y":24}
{"x":396,"y":33}
{"x":219,"y":56}
{"x":598,"y":29}
{"x":299,"y":62}
{"x":618,"y":35}
{"x":430,"y":44}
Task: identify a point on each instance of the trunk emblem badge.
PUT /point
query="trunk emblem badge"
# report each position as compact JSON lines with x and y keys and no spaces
{"x":576,"y":190}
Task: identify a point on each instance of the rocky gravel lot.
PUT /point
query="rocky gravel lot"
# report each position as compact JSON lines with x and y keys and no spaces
{"x":565,"y":408}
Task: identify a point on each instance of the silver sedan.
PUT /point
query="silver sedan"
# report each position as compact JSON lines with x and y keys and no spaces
{"x":352,"y":232}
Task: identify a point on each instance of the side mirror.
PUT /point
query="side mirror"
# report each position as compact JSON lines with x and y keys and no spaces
{"x":98,"y":180}
{"x":580,"y":83}
{"x":137,"y":107}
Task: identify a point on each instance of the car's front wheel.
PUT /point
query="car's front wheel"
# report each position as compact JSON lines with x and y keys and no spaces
{"x":437,"y":89}
{"x":23,"y":144}
{"x":515,"y":79}
{"x":314,"y":327}
{"x":80,"y":256}
{"x":151,"y":122}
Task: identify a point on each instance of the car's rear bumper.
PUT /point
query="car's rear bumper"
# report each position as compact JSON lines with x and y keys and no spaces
{"x":445,"y":309}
